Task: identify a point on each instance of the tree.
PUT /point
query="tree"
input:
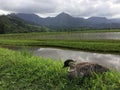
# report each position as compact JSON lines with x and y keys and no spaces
{"x":2,"y":28}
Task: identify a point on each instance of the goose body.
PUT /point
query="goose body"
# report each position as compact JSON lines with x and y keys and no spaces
{"x":83,"y":69}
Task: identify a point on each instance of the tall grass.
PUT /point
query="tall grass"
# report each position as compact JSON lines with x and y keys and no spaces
{"x":22,"y":71}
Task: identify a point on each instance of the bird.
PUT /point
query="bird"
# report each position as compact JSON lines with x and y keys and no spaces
{"x":83,"y":69}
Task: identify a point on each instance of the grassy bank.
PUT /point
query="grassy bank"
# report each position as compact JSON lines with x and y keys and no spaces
{"x":22,"y":71}
{"x":91,"y":45}
{"x":71,"y":40}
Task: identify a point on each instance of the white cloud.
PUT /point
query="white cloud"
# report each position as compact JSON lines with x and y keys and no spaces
{"x":2,"y":12}
{"x":31,"y":6}
{"x":85,"y":8}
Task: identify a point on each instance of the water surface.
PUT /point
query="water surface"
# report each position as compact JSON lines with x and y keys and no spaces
{"x":112,"y":61}
{"x":105,"y":35}
{"x":77,"y":36}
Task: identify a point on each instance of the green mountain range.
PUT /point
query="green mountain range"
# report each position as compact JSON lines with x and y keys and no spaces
{"x":13,"y":24}
{"x":66,"y":21}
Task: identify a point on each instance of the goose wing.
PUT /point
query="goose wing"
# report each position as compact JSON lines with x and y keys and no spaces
{"x":88,"y":68}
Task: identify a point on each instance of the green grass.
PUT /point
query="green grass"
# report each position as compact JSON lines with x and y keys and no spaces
{"x":76,"y":35}
{"x":22,"y":71}
{"x":104,"y":46}
{"x":71,"y":40}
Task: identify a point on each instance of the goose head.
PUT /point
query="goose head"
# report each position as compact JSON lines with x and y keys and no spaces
{"x":69,"y":63}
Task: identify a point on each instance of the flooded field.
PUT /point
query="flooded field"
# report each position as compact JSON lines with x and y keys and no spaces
{"x":109,"y":60}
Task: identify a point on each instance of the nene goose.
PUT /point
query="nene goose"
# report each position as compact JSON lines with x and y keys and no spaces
{"x":83,"y":69}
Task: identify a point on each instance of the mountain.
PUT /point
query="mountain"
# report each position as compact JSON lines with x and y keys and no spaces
{"x":98,"y":20}
{"x":30,"y":18}
{"x":64,"y":20}
{"x":63,"y":15}
{"x":13,"y":24}
{"x":115,"y":20}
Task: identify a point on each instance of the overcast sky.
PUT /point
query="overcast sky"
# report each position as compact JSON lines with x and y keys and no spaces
{"x":78,"y":8}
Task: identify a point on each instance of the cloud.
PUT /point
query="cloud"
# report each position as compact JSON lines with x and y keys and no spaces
{"x":4,"y":12}
{"x":84,"y":8}
{"x":89,"y":8}
{"x":31,"y":6}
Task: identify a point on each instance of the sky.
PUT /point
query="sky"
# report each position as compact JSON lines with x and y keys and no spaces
{"x":77,"y":8}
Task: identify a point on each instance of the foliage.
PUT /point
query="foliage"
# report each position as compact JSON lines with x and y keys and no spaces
{"x":10,"y":24}
{"x":22,"y":71}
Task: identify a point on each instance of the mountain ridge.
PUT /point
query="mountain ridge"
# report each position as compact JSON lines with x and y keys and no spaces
{"x":13,"y":24}
{"x":20,"y":22}
{"x":64,"y":20}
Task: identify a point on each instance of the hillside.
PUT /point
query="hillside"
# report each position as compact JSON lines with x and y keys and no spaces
{"x":21,"y":23}
{"x":64,"y":20}
{"x":13,"y":24}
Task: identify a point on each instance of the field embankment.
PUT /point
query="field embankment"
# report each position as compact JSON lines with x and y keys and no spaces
{"x":22,"y":71}
{"x":61,"y":39}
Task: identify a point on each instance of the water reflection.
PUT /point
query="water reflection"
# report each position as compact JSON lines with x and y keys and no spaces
{"x":77,"y":36}
{"x":110,"y":60}
{"x":107,"y":35}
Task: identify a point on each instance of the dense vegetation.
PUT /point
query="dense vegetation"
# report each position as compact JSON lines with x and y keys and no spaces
{"x":10,"y":24}
{"x":22,"y":71}
{"x":63,"y":39}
